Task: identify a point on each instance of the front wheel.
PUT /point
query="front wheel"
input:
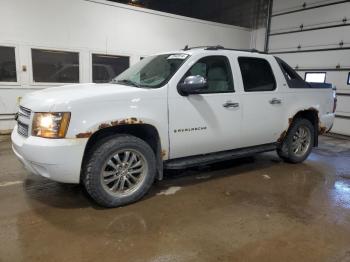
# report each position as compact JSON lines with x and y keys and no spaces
{"x":120,"y":170}
{"x":298,"y":143}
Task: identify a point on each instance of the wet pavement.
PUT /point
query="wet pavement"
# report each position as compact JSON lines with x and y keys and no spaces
{"x":252,"y":209}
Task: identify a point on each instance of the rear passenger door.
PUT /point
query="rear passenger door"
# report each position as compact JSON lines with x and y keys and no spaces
{"x":262,"y":102}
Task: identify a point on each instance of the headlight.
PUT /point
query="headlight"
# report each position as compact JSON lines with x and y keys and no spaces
{"x":50,"y":125}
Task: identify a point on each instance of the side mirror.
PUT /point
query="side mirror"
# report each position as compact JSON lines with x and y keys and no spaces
{"x":192,"y":85}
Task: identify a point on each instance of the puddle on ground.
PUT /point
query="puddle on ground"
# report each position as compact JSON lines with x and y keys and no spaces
{"x":170,"y":191}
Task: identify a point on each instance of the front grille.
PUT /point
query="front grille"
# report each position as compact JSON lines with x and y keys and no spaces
{"x":25,"y":112}
{"x":23,"y":120}
{"x":22,"y":129}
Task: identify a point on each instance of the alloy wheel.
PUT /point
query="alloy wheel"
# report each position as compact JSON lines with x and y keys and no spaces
{"x":124,"y":172}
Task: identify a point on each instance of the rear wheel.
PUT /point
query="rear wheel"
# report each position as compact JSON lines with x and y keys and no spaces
{"x":120,"y":170}
{"x":298,"y":143}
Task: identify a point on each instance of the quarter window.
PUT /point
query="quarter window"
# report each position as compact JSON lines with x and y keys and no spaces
{"x":106,"y":67}
{"x":289,"y":72}
{"x":7,"y":64}
{"x":217,"y":71}
{"x":55,"y":66}
{"x":257,"y":74}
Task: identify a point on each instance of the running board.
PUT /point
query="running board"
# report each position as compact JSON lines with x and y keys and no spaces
{"x":191,"y":161}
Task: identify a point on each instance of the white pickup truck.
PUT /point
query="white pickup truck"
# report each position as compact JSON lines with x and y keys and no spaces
{"x":170,"y":111}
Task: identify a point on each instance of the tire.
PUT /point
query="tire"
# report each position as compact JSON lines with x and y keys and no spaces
{"x":302,"y":133}
{"x":119,"y":170}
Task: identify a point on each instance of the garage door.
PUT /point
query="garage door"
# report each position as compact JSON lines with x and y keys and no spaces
{"x":314,"y":38}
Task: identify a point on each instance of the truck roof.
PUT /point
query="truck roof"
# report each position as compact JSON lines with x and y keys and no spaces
{"x":219,"y":47}
{"x":208,"y":49}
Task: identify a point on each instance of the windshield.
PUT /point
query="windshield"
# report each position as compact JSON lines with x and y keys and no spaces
{"x":152,"y":71}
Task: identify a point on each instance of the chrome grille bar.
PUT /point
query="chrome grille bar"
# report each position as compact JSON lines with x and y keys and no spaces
{"x":23,"y":120}
{"x":24,"y":112}
{"x":22,"y":129}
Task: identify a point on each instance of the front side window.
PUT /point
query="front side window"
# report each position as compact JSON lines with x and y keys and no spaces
{"x":217,"y":71}
{"x":7,"y":64}
{"x":152,"y":71}
{"x":106,"y":67}
{"x":55,"y":66}
{"x":257,"y":74}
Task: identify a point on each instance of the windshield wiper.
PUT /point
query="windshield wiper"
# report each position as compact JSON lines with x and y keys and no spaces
{"x":127,"y":82}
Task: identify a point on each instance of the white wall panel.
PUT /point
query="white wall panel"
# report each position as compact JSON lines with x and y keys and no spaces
{"x":324,"y":38}
{"x":258,"y":39}
{"x":289,"y":5}
{"x":344,"y":105}
{"x":318,"y":59}
{"x":341,"y":126}
{"x":108,"y":26}
{"x":316,"y":39}
{"x":99,"y":26}
{"x":9,"y":99}
{"x":326,"y":16}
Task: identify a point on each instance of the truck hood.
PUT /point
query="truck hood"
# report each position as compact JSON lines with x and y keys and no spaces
{"x":54,"y":98}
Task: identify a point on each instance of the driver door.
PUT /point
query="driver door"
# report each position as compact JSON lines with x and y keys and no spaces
{"x":209,"y":121}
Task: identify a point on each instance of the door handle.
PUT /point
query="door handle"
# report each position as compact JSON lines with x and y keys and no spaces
{"x":275,"y":101}
{"x":230,"y":104}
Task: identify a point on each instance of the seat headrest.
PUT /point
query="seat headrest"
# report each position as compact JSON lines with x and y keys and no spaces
{"x":199,"y":69}
{"x":217,"y":74}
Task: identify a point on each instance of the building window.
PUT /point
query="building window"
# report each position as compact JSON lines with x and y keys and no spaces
{"x":106,"y":67}
{"x":7,"y":64}
{"x":257,"y":74}
{"x":55,"y":66}
{"x":315,"y":77}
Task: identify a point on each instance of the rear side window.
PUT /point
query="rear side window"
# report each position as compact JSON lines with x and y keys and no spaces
{"x":257,"y":74}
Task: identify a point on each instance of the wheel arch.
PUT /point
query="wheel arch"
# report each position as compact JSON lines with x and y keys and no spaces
{"x":311,"y":114}
{"x":144,"y":131}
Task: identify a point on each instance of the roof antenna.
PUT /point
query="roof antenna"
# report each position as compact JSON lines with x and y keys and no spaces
{"x":186,"y":48}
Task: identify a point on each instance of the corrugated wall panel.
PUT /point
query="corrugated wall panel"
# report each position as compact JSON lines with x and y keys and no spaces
{"x":294,"y":47}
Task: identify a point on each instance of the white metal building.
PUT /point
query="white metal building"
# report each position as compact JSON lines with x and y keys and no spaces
{"x":202,"y":154}
{"x":314,"y":37}
{"x":97,"y":39}
{"x":91,"y":32}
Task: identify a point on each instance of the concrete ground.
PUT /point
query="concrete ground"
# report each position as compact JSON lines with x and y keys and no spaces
{"x":253,"y":209}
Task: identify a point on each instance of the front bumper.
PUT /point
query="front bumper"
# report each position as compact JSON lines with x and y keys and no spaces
{"x":56,"y":159}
